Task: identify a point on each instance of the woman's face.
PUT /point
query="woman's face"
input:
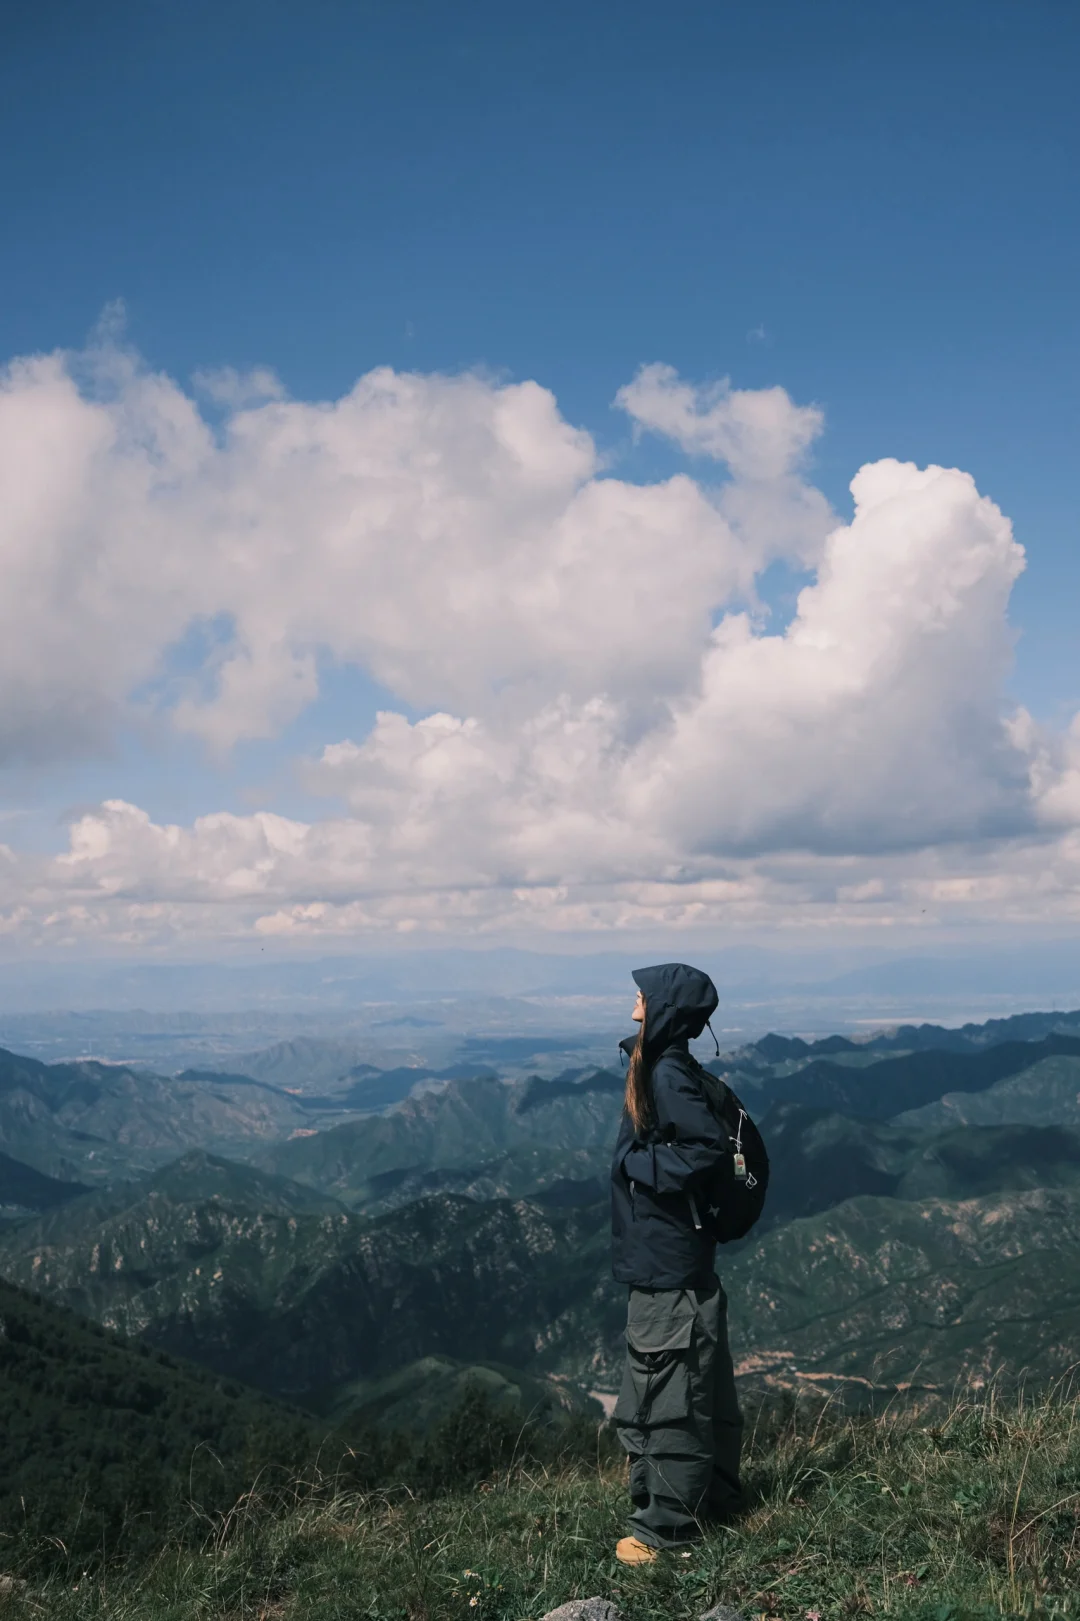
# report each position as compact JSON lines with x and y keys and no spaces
{"x":638,"y":1014}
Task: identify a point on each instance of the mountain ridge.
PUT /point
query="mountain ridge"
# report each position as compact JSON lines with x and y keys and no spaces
{"x":100,"y":1120}
{"x":938,"y":1293}
{"x":301,"y":1300}
{"x":23,"y":1188}
{"x":470,"y":1222}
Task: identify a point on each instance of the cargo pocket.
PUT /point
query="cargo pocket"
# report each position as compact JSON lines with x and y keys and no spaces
{"x":656,"y":1381}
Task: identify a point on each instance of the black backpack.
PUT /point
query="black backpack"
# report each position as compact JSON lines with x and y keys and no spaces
{"x":738,"y":1194}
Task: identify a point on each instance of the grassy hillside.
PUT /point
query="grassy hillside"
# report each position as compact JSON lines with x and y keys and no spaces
{"x":101,"y":1440}
{"x":107,"y":1445}
{"x":444,"y":1273}
{"x":972,"y":1519}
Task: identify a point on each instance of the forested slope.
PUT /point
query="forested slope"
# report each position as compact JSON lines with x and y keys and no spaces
{"x":103,"y":1441}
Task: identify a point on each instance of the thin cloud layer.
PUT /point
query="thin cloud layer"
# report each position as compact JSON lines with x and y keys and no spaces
{"x":610,"y":732}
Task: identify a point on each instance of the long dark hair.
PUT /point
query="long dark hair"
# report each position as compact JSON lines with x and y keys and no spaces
{"x":638,"y":1096}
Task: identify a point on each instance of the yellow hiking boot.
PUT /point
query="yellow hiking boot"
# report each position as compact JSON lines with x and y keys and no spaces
{"x":629,"y":1551}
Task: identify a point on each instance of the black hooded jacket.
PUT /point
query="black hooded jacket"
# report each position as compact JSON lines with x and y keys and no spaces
{"x":660,"y":1183}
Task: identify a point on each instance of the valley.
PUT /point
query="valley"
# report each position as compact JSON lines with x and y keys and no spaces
{"x":922,"y":1229}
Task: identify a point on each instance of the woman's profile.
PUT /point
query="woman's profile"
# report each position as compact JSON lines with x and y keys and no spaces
{"x":677,"y":1413}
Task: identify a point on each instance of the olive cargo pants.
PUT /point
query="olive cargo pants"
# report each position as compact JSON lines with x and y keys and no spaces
{"x":677,"y":1413}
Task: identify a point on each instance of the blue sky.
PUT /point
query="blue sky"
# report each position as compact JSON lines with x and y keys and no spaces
{"x":872,"y":206}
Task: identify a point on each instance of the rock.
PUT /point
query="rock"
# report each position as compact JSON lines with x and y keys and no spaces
{"x":10,"y":1584}
{"x":602,"y":1609}
{"x":584,"y":1609}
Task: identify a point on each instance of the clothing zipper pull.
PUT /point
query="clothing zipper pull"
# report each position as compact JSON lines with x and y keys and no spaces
{"x":693,"y":1211}
{"x":740,"y":1157}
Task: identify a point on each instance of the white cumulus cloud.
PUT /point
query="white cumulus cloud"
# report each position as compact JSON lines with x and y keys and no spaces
{"x":609,"y":729}
{"x":450,"y":535}
{"x":761,"y":433}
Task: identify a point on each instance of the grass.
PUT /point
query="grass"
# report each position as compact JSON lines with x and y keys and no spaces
{"x":977,"y":1515}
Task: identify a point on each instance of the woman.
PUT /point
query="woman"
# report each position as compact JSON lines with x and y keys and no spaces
{"x":677,"y":1413}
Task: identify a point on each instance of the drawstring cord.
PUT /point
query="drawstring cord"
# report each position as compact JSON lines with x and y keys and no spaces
{"x":709,"y":1028}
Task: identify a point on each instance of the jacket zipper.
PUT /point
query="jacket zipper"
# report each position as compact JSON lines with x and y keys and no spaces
{"x":633,"y":1201}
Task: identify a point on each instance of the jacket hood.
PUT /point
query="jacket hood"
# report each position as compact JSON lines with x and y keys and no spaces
{"x":679,"y":1002}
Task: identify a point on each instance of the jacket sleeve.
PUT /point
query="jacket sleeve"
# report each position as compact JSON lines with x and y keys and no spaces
{"x":697,"y":1145}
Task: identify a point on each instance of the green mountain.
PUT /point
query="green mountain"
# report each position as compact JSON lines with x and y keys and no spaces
{"x":310,"y":1063}
{"x":93,"y":1122}
{"x":366,"y":1268}
{"x":102,"y":1442}
{"x":876,"y":1292}
{"x":197,"y":1177}
{"x":819,"y":1158}
{"x":551,"y":1176}
{"x":1013,"y":1027}
{"x":907,"y":1038}
{"x":551,"y":1139}
{"x":269,"y":1282}
{"x":1046,"y":1093}
{"x":23,"y":1189}
{"x":124,"y":1255}
{"x":476,"y":1136}
{"x":893,"y":1086}
{"x":422,"y":1394}
{"x":884,"y":1292}
{"x":218,"y":1263}
{"x":363,"y":1068}
{"x":463,"y":1131}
